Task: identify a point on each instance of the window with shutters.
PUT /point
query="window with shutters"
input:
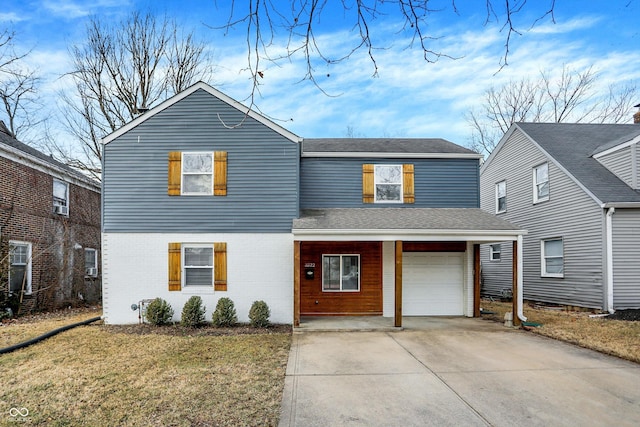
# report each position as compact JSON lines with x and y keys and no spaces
{"x":197,"y":265}
{"x":387,"y":183}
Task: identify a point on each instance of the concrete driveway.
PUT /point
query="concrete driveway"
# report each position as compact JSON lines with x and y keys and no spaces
{"x":458,"y":372}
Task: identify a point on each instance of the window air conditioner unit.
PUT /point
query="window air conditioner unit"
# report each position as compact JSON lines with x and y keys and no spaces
{"x":62,"y":210}
{"x":93,"y":272}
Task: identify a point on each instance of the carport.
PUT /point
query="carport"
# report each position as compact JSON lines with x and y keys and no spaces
{"x":400,"y":261}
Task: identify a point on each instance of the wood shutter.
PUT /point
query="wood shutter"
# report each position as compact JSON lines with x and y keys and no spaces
{"x":220,"y":266}
{"x":407,"y":184}
{"x":175,"y":172}
{"x":220,"y":173}
{"x":368,"y":187}
{"x":175,"y":267}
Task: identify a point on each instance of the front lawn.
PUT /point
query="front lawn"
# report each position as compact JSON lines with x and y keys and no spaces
{"x":98,"y":375}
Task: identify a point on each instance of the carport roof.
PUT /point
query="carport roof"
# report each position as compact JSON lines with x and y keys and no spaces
{"x":442,"y":222}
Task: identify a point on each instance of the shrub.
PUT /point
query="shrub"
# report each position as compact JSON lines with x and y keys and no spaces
{"x":225,"y":313}
{"x":159,"y":312}
{"x":193,"y":312}
{"x":259,"y":314}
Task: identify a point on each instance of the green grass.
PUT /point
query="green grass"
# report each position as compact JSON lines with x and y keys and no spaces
{"x":96,"y":376}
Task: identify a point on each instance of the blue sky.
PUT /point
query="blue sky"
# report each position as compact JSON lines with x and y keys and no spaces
{"x":408,"y":98}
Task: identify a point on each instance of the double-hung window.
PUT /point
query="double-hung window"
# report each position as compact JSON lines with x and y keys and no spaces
{"x":197,"y":173}
{"x":20,"y":267}
{"x":388,"y":183}
{"x":340,"y":273}
{"x":60,"y":197}
{"x":495,"y":252}
{"x":501,"y":197}
{"x":552,"y":259}
{"x":541,"y":183}
{"x":198,"y":265}
{"x":90,"y":262}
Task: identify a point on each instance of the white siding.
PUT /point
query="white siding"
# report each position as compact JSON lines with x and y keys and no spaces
{"x":569,"y":213}
{"x":135,"y":267}
{"x":619,"y":162}
{"x":626,"y":258}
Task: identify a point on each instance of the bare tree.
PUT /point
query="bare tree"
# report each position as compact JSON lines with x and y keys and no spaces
{"x":298,"y":24}
{"x":574,"y":96}
{"x":120,"y":71}
{"x":18,"y":90}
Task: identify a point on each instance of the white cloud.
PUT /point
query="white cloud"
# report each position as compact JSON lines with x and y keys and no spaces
{"x":11,"y":17}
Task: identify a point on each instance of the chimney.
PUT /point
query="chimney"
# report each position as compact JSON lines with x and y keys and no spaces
{"x":636,"y":116}
{"x":5,"y":129}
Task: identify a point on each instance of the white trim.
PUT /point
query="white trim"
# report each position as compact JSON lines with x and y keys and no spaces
{"x":60,"y":209}
{"x":221,"y":96}
{"x":184,"y":266}
{"x":498,"y":211}
{"x":536,"y":198}
{"x":376,"y":183}
{"x":609,"y":259}
{"x":33,"y":162}
{"x":520,"y":280}
{"x":618,"y":147}
{"x":391,"y":155}
{"x":493,"y":252}
{"x":543,"y":258}
{"x":408,"y":235}
{"x":28,"y":266}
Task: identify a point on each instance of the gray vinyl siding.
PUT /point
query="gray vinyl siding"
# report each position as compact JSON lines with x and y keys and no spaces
{"x":499,"y":272}
{"x":569,"y":213}
{"x":626,"y":258}
{"x":262,"y":179}
{"x":439,"y":183}
{"x":619,"y":162}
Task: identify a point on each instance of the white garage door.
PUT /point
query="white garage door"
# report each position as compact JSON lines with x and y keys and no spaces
{"x":432,"y":283}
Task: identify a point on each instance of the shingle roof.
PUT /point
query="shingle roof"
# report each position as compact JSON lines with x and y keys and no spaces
{"x":572,"y":146}
{"x":12,"y":142}
{"x":462,"y":219}
{"x":383,"y":145}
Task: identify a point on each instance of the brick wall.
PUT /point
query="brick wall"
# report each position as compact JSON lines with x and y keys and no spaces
{"x":57,"y":242}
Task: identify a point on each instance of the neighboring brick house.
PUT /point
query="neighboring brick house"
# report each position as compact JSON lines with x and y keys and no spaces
{"x":49,"y":229}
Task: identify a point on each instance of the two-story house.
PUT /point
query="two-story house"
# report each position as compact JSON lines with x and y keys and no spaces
{"x":576,"y":189}
{"x":203,"y":196}
{"x":49,"y":230}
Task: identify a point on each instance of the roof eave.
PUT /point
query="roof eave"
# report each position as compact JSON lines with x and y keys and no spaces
{"x":408,"y":234}
{"x":377,"y":154}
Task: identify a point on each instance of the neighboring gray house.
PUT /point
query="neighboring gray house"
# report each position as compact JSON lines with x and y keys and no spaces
{"x":575,"y":189}
{"x":203,"y":196}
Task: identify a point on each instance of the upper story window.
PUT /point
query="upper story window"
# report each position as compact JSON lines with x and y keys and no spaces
{"x":541,"y":183}
{"x":388,"y":183}
{"x":552,"y":257}
{"x":60,"y":197}
{"x":90,"y":262}
{"x":197,"y":173}
{"x":340,"y":273}
{"x":501,"y":197}
{"x":495,"y":252}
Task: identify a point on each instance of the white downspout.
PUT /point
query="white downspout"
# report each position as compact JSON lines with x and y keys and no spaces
{"x":520,"y":281}
{"x":609,"y":245}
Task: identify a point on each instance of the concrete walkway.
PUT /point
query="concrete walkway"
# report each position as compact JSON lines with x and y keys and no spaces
{"x":454,"y":372}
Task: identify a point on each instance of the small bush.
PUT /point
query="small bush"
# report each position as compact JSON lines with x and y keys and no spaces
{"x":225,"y":313}
{"x":193,"y":312}
{"x":159,"y":312}
{"x":259,"y":314}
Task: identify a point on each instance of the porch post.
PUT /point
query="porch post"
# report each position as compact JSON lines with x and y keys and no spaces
{"x":296,"y":283}
{"x":476,"y":280}
{"x":514,"y":290}
{"x":398,"y":286}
